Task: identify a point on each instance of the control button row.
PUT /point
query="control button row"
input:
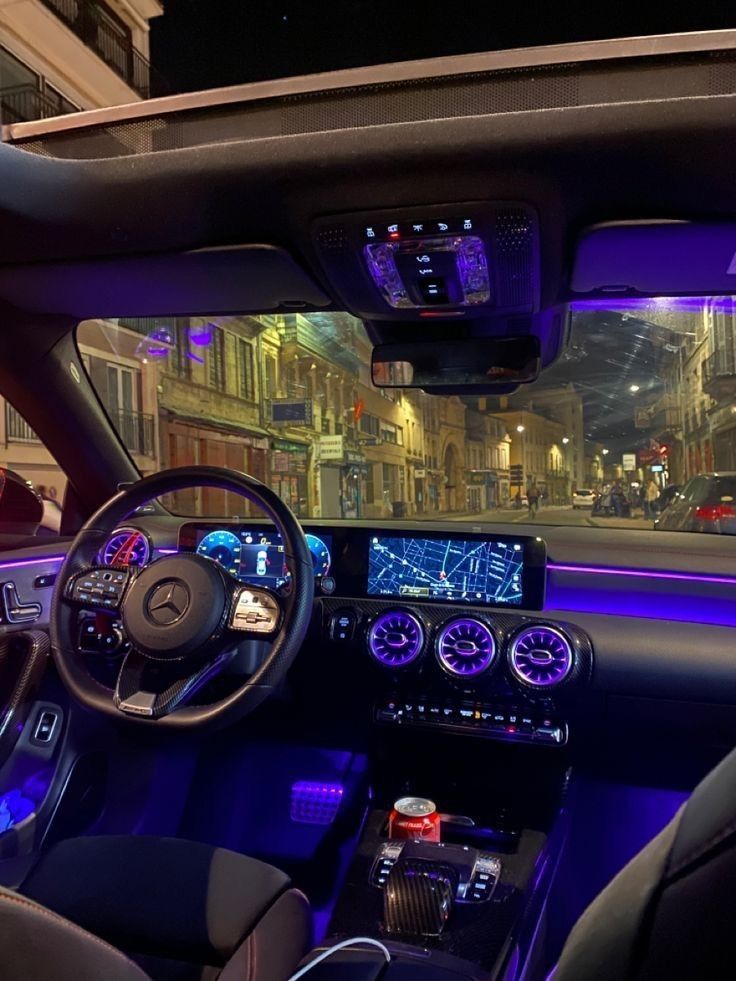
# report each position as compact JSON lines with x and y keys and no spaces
{"x":483,"y":880}
{"x":492,"y":721}
{"x":98,"y":587}
{"x":108,"y":641}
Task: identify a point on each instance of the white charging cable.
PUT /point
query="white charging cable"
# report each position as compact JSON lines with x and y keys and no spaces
{"x":341,"y":946}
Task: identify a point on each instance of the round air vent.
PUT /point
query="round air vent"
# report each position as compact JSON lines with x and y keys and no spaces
{"x":395,"y":638}
{"x":541,"y":657}
{"x":465,"y":647}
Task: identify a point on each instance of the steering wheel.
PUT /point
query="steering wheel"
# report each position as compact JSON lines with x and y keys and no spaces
{"x":183,"y":614}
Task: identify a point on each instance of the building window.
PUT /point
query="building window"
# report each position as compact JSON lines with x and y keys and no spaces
{"x":183,"y":358}
{"x":370,"y":494}
{"x":216,"y":359}
{"x":269,"y":378}
{"x":246,"y":387}
{"x":369,"y":424}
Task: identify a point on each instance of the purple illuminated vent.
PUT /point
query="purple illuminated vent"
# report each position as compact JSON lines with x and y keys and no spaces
{"x":396,"y":638}
{"x":541,"y":657}
{"x":465,"y":647}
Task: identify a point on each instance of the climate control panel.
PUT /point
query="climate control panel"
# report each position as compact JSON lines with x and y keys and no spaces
{"x":525,"y":724}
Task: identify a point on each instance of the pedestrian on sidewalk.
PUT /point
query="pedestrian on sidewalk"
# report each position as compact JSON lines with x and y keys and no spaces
{"x":651,"y":494}
{"x":532,"y":496}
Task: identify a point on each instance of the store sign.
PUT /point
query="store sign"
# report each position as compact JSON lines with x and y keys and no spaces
{"x":629,"y":461}
{"x":332,"y":448}
{"x":657,"y":468}
{"x":420,"y":473}
{"x":648,"y":456}
{"x":291,"y":412}
{"x":642,"y":419}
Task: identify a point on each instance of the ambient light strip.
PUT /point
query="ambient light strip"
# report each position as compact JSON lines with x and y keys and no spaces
{"x":600,"y":570}
{"x":19,"y":563}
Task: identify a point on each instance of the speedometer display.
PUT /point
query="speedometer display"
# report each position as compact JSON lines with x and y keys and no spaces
{"x":126,"y":547}
{"x":224,"y":548}
{"x":321,"y":558}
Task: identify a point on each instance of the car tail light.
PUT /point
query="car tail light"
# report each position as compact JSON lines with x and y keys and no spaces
{"x":714,"y":512}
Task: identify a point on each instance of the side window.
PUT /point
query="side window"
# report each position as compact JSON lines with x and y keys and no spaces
{"x":695,"y":490}
{"x":22,"y":453}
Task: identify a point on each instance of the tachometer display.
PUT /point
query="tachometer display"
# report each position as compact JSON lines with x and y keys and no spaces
{"x":224,"y":548}
{"x":321,"y":558}
{"x":126,"y":547}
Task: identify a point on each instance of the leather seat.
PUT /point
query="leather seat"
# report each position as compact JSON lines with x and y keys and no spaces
{"x":670,"y":912}
{"x":177,"y":909}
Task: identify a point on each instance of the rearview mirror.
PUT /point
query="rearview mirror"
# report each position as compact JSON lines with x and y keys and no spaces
{"x":472,"y":364}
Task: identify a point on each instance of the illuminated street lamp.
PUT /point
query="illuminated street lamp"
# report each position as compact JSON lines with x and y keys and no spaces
{"x":565,"y":440}
{"x":520,"y":429}
{"x":633,"y":389}
{"x":604,"y":452}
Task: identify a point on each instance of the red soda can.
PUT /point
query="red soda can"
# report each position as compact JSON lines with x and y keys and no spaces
{"x":414,"y":817}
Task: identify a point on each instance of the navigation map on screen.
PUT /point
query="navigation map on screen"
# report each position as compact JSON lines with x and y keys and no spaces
{"x":454,"y":569}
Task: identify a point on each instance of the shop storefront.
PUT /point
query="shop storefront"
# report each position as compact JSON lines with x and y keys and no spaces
{"x":289,"y":474}
{"x":187,"y":444}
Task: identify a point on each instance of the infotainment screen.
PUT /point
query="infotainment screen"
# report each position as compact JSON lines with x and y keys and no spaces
{"x":457,"y":569}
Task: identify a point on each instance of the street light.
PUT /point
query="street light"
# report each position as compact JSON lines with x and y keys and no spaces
{"x":633,"y":389}
{"x":565,"y":440}
{"x":605,"y":452}
{"x":520,"y":429}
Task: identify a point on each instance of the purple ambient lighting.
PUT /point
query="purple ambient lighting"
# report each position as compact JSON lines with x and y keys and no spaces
{"x":23,"y":562}
{"x":541,"y":657}
{"x":313,"y":802}
{"x":600,"y":570}
{"x":644,"y":305}
{"x":396,"y":638}
{"x":202,"y":336}
{"x":465,"y":647}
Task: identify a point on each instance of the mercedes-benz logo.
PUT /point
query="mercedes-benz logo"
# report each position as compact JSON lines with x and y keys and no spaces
{"x":168,"y":603}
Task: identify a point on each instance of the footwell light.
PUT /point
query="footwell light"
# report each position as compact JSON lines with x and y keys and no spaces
{"x":14,"y":808}
{"x":313,"y":802}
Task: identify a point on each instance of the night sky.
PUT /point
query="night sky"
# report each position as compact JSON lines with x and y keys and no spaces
{"x":201,"y":44}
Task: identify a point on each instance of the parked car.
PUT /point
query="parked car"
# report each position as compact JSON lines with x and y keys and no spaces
{"x":667,"y":496}
{"x":706,"y":503}
{"x":583,"y":498}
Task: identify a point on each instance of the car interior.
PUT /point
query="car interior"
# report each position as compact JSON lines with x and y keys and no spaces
{"x":245,"y":737}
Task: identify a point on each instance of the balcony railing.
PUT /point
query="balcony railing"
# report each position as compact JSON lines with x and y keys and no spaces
{"x":84,"y":18}
{"x":21,"y":103}
{"x":17,"y":429}
{"x":135,"y":429}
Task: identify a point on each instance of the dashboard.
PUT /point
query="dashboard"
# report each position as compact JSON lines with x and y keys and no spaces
{"x":649,"y":620}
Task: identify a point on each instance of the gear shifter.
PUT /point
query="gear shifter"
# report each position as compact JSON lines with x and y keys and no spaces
{"x":419,"y":897}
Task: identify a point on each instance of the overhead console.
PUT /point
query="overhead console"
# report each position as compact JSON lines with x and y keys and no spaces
{"x":450,"y":260}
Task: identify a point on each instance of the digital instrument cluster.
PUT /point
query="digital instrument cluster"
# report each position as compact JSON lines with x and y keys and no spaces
{"x":256,"y":555}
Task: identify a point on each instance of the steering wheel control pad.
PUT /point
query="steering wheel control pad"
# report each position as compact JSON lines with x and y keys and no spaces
{"x":175,"y":606}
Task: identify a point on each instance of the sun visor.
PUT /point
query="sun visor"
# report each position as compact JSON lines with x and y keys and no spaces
{"x":655,"y":258}
{"x":237,"y":279}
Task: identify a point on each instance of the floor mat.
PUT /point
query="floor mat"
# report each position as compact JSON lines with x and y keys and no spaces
{"x":297,"y":807}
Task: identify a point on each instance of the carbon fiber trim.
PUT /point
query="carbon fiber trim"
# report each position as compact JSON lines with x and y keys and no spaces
{"x":419,"y":897}
{"x":23,"y":660}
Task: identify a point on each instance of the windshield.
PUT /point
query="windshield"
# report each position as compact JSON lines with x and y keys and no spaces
{"x":640,"y":404}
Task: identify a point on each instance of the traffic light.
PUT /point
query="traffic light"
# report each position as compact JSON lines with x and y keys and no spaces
{"x":663,"y":450}
{"x":517,"y":474}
